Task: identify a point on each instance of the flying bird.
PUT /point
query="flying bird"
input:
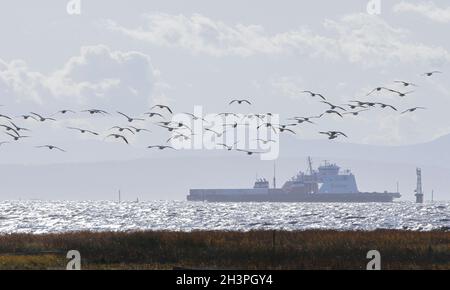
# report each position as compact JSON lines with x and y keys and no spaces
{"x":63,"y":112}
{"x":377,"y":89}
{"x":19,"y":128}
{"x":121,"y":129}
{"x":301,"y":120}
{"x":195,"y":117}
{"x":356,"y":113}
{"x":26,"y":117}
{"x":138,"y":130}
{"x":333,"y":107}
{"x":284,"y":126}
{"x":83,"y":131}
{"x":130,"y":119}
{"x":285,"y":130}
{"x":315,"y":95}
{"x":40,"y":118}
{"x":333,"y":134}
{"x":16,"y":138}
{"x":228,"y":114}
{"x":162,"y":107}
{"x":429,"y":74}
{"x":265,"y":142}
{"x":170,"y":129}
{"x":117,"y":136}
{"x":152,"y":114}
{"x":240,"y":102}
{"x":332,"y":112}
{"x":229,"y":148}
{"x":95,"y":111}
{"x":267,"y":125}
{"x":360,"y":105}
{"x":401,"y":94}
{"x":178,"y":137}
{"x":5,"y":117}
{"x":248,"y":152}
{"x":10,"y":129}
{"x":413,"y":110}
{"x":161,"y":147}
{"x":406,"y":84}
{"x":387,"y":106}
{"x":260,"y":116}
{"x":51,"y":147}
{"x":234,"y":125}
{"x":215,"y":132}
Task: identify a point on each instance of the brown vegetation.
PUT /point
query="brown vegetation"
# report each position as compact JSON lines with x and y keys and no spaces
{"x":228,"y":250}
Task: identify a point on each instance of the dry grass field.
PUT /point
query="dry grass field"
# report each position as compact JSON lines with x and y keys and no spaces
{"x":228,"y":250}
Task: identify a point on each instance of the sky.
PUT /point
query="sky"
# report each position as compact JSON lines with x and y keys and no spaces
{"x":130,"y":55}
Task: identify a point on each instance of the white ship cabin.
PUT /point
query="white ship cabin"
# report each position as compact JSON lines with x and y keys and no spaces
{"x":335,"y":181}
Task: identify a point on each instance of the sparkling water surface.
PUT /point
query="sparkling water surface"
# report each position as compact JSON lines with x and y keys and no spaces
{"x":36,"y":216}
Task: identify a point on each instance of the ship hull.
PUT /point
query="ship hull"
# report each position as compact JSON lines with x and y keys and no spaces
{"x":199,"y":195}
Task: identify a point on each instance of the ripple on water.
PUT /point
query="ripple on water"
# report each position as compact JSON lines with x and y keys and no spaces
{"x":62,"y":216}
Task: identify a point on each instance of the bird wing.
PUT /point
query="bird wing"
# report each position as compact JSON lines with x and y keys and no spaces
{"x":124,"y":139}
{"x":334,"y":112}
{"x":392,"y":107}
{"x":289,"y":130}
{"x":168,"y":109}
{"x":37,"y":115}
{"x":11,"y":135}
{"x":92,"y":132}
{"x":6,"y":117}
{"x":120,"y":113}
{"x":371,"y":92}
{"x":320,"y":95}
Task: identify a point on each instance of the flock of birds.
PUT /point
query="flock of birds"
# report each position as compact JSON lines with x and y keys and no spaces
{"x":182,"y":131}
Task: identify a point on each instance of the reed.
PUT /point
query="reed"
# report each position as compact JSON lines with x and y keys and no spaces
{"x":314,"y":249}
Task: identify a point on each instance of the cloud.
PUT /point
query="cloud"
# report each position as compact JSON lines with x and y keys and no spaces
{"x":97,"y":76}
{"x":359,"y":38}
{"x":372,"y":41}
{"x":201,"y":34}
{"x":426,"y":9}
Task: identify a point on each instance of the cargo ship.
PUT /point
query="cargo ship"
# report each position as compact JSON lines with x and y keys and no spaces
{"x":326,"y":184}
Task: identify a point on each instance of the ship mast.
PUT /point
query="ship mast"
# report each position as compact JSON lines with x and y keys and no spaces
{"x":419,"y":192}
{"x":274,"y":176}
{"x":310,"y":166}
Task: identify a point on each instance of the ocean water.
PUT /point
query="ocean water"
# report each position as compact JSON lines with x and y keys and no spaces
{"x":37,"y":216}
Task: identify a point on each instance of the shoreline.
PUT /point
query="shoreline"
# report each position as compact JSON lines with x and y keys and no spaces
{"x":252,"y":250}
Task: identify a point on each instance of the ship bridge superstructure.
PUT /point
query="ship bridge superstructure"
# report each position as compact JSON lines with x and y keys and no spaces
{"x":333,"y":180}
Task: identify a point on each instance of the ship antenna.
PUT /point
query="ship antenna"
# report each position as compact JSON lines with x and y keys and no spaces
{"x":310,"y":165}
{"x":274,"y":175}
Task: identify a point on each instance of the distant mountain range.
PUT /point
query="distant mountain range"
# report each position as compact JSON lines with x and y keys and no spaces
{"x":377,"y":168}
